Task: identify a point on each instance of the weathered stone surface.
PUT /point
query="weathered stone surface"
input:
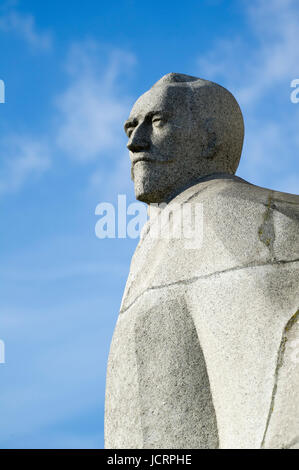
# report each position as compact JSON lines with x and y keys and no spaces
{"x":204,"y":350}
{"x":283,"y":419}
{"x":158,"y":389}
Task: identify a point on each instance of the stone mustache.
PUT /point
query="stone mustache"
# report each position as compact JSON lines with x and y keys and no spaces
{"x":204,"y":350}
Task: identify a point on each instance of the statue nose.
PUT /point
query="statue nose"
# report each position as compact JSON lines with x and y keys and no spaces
{"x":140,"y":139}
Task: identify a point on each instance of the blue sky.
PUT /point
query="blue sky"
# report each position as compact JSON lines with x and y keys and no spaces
{"x":72,"y":70}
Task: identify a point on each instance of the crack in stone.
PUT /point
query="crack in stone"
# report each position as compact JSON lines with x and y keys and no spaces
{"x":286,"y":202}
{"x":195,"y":194}
{"x":279,"y":363}
{"x":266,"y":230}
{"x":206,"y":276}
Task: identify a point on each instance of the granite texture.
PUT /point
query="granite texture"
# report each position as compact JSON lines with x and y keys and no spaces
{"x":180,"y":130}
{"x":205,"y":351}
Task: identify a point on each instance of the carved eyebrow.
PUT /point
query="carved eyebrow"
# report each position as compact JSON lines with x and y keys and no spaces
{"x":130,"y":123}
{"x":151,"y":114}
{"x":134,"y":121}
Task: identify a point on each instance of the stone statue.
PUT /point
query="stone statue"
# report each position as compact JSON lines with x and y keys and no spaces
{"x":205,"y":352}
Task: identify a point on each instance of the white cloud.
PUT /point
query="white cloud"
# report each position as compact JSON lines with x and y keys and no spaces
{"x":87,"y":122}
{"x":258,"y":67}
{"x":117,"y":181}
{"x":24,"y":26}
{"x":253,"y":70}
{"x":22,"y":158}
{"x":93,"y":107}
{"x":269,"y":154}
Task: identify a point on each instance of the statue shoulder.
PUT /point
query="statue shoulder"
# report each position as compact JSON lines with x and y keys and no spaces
{"x":247,"y":218}
{"x":238,"y":190}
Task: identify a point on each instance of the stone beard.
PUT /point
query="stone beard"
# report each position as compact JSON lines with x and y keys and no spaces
{"x":204,"y":350}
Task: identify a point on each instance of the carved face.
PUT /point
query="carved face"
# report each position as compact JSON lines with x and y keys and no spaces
{"x":161,"y":142}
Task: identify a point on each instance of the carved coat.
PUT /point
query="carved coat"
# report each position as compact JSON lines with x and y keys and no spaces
{"x":205,"y":352}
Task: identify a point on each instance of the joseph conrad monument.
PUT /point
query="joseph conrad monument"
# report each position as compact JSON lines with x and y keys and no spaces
{"x":204,"y":349}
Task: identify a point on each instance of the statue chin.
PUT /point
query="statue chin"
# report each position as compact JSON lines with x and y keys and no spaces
{"x":146,"y":191}
{"x":147,"y":195}
{"x":150,"y":183}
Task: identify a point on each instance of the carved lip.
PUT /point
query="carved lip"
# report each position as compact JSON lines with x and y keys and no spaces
{"x":142,"y":159}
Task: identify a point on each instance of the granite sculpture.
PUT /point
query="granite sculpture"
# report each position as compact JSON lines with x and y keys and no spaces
{"x":204,"y":350}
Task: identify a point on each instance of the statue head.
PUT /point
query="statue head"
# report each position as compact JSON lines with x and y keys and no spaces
{"x":181,"y":130}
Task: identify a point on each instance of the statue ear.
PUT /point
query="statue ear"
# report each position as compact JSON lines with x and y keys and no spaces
{"x":211,"y":146}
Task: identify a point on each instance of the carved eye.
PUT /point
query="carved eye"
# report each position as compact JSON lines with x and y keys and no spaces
{"x":157,"y":121}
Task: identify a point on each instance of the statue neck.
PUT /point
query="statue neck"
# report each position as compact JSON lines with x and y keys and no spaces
{"x":195,"y":181}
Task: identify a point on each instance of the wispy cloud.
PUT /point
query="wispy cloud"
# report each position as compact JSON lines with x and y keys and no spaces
{"x":86,"y":123}
{"x":23,"y":25}
{"x":63,"y":272}
{"x":23,"y":158}
{"x":93,"y":107}
{"x":253,"y":71}
{"x":107,"y":184}
{"x":260,"y":79}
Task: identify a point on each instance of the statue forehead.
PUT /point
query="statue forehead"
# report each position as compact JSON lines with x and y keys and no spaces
{"x":168,"y":98}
